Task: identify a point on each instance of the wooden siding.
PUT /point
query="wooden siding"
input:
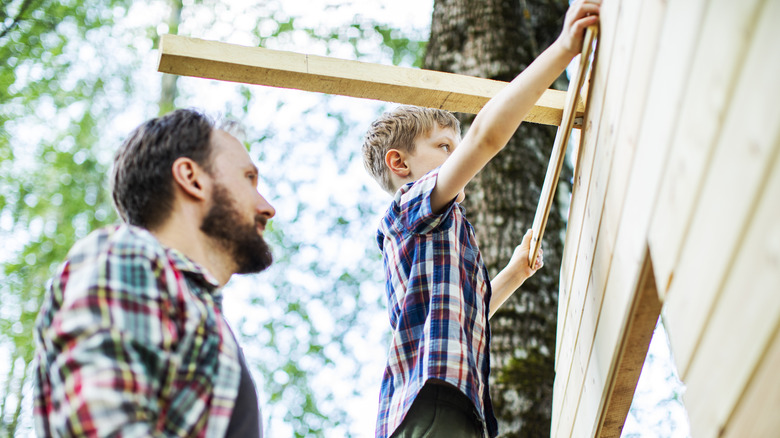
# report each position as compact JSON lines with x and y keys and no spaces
{"x":677,"y":173}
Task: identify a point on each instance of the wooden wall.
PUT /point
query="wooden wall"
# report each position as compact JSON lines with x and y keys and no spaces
{"x":676,"y":202}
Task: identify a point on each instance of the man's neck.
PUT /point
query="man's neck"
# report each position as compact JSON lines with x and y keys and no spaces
{"x":198,"y":247}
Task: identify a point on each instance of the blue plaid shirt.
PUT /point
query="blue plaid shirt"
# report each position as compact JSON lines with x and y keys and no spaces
{"x":438,"y":295}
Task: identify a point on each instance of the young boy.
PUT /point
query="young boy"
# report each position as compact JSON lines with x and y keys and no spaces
{"x":439,"y":295}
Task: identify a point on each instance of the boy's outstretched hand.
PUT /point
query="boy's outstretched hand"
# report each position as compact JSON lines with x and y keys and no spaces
{"x":581,"y":14}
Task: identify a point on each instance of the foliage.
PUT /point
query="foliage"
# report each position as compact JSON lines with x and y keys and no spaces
{"x":51,"y":178}
{"x":78,"y":78}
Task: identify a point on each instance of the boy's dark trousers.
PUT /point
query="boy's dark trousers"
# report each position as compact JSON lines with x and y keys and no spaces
{"x":440,"y":410}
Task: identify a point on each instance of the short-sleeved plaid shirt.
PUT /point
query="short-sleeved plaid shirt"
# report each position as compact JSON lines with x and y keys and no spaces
{"x":131,"y":341}
{"x":438,"y":299}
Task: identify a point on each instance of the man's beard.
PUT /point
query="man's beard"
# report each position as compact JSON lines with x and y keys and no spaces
{"x":241,"y":240}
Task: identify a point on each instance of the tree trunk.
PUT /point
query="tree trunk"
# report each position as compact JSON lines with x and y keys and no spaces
{"x":497,"y":39}
{"x":168,"y":90}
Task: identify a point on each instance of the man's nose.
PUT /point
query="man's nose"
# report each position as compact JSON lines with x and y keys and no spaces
{"x":264,"y":208}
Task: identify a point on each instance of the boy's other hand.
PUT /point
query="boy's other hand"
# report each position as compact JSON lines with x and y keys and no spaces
{"x":581,"y":14}
{"x":514,"y":275}
{"x":519,"y":260}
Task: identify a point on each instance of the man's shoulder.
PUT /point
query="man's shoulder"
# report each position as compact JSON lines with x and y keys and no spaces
{"x":121,"y":240}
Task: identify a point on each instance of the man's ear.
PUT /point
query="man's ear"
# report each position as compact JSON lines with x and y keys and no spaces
{"x":396,"y":162}
{"x":190,"y":177}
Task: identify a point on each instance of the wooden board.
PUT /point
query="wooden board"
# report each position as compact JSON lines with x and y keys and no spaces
{"x":741,"y":158}
{"x":606,"y":376}
{"x":583,"y":167}
{"x":592,"y":367}
{"x":255,"y":65}
{"x":558,"y":154}
{"x":743,"y":324}
{"x":576,"y":323}
{"x":719,"y":55}
{"x":724,"y":307}
{"x":756,"y":414}
{"x":613,"y":370}
{"x":630,"y":358}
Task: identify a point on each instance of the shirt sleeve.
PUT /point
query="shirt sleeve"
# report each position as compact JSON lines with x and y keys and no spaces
{"x":108,"y":344}
{"x":412,"y":203}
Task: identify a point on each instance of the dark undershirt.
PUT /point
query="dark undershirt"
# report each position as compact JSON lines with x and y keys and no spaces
{"x":245,"y":420}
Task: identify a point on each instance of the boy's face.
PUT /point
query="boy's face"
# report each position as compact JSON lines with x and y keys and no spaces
{"x":431,"y":151}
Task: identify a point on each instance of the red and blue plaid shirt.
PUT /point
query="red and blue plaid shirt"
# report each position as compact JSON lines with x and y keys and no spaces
{"x":438,"y":295}
{"x":131,"y":341}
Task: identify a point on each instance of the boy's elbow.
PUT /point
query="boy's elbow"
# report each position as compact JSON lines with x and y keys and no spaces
{"x":490,"y":142}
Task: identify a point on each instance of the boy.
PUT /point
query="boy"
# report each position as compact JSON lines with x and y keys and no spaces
{"x":439,"y":296}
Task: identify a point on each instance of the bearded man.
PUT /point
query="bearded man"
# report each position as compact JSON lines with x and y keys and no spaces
{"x":131,"y":339}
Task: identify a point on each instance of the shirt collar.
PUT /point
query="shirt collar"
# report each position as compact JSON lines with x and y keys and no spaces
{"x":192,"y":269}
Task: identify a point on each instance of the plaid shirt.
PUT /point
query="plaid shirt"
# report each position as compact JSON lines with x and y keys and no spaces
{"x":438,"y":299}
{"x":131,"y":341}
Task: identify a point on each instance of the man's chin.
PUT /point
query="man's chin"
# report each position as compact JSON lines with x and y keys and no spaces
{"x":253,"y":258}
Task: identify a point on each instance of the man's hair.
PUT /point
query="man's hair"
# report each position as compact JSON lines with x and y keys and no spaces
{"x":398,"y":129}
{"x":142,"y":179}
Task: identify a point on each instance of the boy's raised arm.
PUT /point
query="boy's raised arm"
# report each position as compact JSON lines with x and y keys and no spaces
{"x":499,"y":118}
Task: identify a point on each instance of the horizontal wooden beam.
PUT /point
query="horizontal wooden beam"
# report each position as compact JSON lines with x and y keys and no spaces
{"x":255,"y":65}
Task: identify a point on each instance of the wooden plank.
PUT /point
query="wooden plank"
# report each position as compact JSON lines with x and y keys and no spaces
{"x":255,"y":65}
{"x":680,"y":23}
{"x":730,"y":185}
{"x":729,"y":320}
{"x":567,"y":297}
{"x":720,"y":53}
{"x":681,"y":19}
{"x":609,"y":378}
{"x":559,"y":146}
{"x":577,"y":324}
{"x":745,"y":320}
{"x":612,"y":392}
{"x":631,"y":354}
{"x":584,"y":164}
{"x":756,"y":414}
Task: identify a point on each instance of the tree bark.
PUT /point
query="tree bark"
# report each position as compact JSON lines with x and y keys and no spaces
{"x":169,"y":89}
{"x":497,"y":39}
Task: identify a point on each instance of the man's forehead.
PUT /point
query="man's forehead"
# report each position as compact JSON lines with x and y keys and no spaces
{"x":229,"y":147}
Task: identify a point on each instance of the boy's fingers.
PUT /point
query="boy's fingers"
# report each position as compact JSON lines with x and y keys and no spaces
{"x":585,"y":9}
{"x":527,"y":237}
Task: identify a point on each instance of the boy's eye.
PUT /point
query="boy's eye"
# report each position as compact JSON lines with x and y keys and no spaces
{"x":446,"y":148}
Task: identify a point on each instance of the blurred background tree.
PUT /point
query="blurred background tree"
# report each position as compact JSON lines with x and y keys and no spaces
{"x":78,"y":76}
{"x":51,"y":172}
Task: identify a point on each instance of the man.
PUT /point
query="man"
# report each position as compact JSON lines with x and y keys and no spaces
{"x":131,"y":339}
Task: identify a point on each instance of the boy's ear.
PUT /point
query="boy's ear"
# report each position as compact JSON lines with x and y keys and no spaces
{"x":396,"y":162}
{"x":190,"y":177}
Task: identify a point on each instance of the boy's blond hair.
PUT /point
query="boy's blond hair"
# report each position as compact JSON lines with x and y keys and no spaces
{"x":398,"y":129}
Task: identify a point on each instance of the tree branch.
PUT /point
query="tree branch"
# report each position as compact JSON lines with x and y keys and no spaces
{"x":25,"y":5}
